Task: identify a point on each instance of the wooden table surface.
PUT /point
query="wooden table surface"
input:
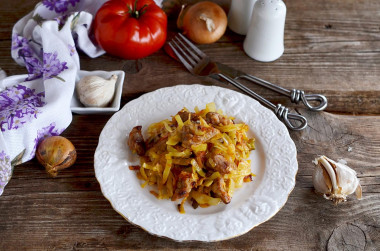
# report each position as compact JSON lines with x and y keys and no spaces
{"x":332,"y":47}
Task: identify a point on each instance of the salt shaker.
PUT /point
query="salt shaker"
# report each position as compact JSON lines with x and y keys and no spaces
{"x":265,"y":37}
{"x":239,"y":16}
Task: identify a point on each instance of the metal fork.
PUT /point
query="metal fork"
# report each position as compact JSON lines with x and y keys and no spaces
{"x":198,"y":63}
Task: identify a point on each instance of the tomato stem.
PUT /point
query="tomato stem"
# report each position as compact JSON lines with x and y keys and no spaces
{"x":136,"y":13}
{"x":134,"y":9}
{"x":142,"y":11}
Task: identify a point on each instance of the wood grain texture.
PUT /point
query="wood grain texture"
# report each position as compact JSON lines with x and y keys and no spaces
{"x":70,"y":212}
{"x":331,"y":47}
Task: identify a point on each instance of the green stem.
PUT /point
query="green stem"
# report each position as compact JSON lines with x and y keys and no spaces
{"x":142,"y":11}
{"x":57,"y":77}
{"x":136,"y":13}
{"x":134,"y":8}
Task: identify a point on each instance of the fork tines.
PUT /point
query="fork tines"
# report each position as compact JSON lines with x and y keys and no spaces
{"x":186,"y":51}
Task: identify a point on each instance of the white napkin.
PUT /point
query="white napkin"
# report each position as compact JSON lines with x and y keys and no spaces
{"x":37,"y":105}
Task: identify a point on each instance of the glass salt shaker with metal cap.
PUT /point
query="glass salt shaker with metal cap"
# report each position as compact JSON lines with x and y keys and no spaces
{"x":239,"y":15}
{"x":265,"y":37}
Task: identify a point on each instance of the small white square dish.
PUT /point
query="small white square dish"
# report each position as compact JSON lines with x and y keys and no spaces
{"x":78,"y":108}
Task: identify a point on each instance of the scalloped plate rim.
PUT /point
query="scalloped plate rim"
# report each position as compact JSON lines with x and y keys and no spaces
{"x":194,"y":238}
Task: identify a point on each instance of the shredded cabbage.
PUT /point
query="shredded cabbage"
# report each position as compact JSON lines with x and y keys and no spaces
{"x":201,"y":157}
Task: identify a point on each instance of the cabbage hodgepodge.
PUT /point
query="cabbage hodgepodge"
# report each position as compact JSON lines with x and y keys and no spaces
{"x":199,"y":156}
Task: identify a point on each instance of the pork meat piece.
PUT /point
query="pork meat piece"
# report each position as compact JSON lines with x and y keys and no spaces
{"x":222,"y":164}
{"x":184,"y":184}
{"x":136,"y":141}
{"x":189,"y":136}
{"x":215,"y":118}
{"x":220,"y":191}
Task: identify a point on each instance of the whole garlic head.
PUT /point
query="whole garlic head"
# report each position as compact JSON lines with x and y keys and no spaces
{"x":335,"y":180}
{"x":94,"y":91}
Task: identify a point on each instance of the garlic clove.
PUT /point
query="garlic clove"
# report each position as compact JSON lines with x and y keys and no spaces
{"x":347,"y":178}
{"x":330,"y":172}
{"x":95,"y":91}
{"x":335,"y":180}
{"x":319,"y":175}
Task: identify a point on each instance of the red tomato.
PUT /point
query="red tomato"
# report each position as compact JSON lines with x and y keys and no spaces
{"x":130,"y":29}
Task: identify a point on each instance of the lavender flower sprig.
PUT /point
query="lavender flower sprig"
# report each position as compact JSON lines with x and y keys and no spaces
{"x":59,"y":6}
{"x":19,"y":105}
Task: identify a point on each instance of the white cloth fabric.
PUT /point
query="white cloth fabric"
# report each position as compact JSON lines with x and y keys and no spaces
{"x":37,"y":105}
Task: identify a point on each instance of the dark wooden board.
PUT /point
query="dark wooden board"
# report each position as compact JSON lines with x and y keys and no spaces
{"x":331,"y":47}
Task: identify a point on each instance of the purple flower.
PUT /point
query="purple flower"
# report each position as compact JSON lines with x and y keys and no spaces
{"x":74,"y":2}
{"x":52,"y":66}
{"x":43,"y":133}
{"x":18,"y":41}
{"x":3,"y":156}
{"x":71,"y":49}
{"x":59,"y":6}
{"x":19,"y":105}
{"x":25,"y":52}
{"x":34,"y":67}
{"x":22,"y":45}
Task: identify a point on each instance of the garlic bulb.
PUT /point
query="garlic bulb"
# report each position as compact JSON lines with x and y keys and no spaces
{"x":96,"y":91}
{"x":335,"y":180}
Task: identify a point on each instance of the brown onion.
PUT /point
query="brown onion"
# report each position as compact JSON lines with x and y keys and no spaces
{"x":56,"y":153}
{"x":204,"y":22}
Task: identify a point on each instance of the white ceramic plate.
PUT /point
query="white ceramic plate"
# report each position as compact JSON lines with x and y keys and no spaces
{"x":77,"y":107}
{"x":274,"y":162}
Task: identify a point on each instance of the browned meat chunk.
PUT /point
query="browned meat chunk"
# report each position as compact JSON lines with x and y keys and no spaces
{"x":185,"y":116}
{"x":158,"y":144}
{"x":215,"y":118}
{"x":222,"y":165}
{"x":219,"y":189}
{"x":184,"y":185}
{"x":136,"y":141}
{"x":189,"y":136}
{"x":201,"y":158}
{"x":160,"y":134}
{"x":135,"y":168}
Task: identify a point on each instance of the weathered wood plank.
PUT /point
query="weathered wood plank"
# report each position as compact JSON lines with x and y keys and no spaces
{"x":70,"y":212}
{"x":335,"y":56}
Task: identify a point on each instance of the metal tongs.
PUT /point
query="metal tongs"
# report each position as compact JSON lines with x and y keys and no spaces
{"x":198,"y":63}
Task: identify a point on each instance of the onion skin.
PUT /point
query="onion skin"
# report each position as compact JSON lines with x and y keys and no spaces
{"x":184,"y":9}
{"x":196,"y":29}
{"x":56,"y":153}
